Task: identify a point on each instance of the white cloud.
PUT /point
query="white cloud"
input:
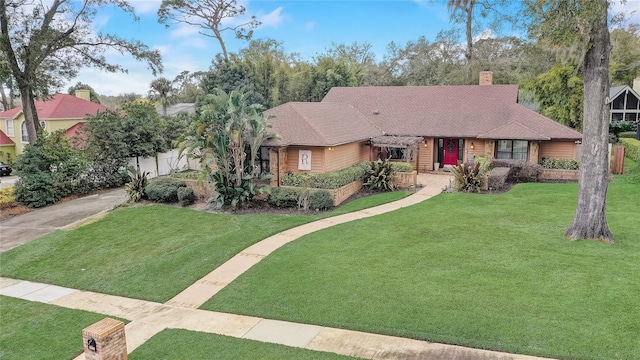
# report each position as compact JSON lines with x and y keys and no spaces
{"x":184,"y":30}
{"x":630,"y":8}
{"x":272,"y":19}
{"x":484,"y":34}
{"x":145,"y":6}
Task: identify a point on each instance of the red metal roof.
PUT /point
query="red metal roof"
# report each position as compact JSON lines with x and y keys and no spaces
{"x":60,"y":106}
{"x":5,"y":140}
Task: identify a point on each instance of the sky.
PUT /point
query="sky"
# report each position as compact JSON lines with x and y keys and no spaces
{"x":306,"y":27}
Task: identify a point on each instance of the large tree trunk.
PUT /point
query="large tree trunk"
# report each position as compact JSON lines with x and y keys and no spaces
{"x":468,"y":54}
{"x":590,"y":221}
{"x":29,"y":112}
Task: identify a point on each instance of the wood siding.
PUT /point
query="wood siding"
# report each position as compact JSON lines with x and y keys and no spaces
{"x":558,"y":149}
{"x":343,"y":156}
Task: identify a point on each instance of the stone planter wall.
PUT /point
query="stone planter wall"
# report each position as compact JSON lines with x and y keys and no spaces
{"x":405,"y":179}
{"x":339,"y":195}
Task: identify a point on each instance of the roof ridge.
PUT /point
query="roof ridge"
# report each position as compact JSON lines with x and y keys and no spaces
{"x":310,"y":123}
{"x":366,"y":119}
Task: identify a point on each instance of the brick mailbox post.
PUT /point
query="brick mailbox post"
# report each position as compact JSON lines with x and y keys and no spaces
{"x":105,"y":340}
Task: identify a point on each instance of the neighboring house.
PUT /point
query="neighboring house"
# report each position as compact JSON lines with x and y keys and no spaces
{"x":423,"y":125}
{"x":61,"y":112}
{"x":7,"y":148}
{"x":624,"y":102}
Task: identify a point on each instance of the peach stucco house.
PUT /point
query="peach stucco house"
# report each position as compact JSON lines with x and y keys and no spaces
{"x":423,"y":125}
{"x":61,"y":112}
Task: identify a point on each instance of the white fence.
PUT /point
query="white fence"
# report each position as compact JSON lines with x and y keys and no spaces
{"x":165,"y":163}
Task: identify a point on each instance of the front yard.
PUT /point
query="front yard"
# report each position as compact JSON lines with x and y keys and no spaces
{"x":488,"y":271}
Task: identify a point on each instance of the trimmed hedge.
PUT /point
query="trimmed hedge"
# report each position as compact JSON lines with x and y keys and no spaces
{"x":164,"y":189}
{"x":631,"y":148}
{"x":284,"y":197}
{"x":562,"y":164}
{"x":628,"y":135}
{"x":289,"y":198}
{"x":401,"y":166}
{"x":521,"y":171}
{"x":328,"y":180}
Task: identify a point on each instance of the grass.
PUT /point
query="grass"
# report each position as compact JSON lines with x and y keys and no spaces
{"x":151,"y":252}
{"x":183,"y":344}
{"x":484,"y":271}
{"x":32,"y":330}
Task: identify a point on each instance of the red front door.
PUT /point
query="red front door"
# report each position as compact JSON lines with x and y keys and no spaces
{"x":450,"y":151}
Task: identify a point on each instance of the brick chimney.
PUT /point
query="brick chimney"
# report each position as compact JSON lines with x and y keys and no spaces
{"x":486,"y":77}
{"x":83,"y":94}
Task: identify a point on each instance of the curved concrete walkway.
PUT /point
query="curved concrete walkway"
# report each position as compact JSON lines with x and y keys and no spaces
{"x":149,"y":318}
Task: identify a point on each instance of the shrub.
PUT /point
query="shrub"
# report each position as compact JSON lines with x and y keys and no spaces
{"x":282,"y":197}
{"x":6,"y":197}
{"x":628,"y":135}
{"x":467,"y":177}
{"x":229,"y":194}
{"x":401,"y":166}
{"x":617,"y":127}
{"x":631,"y":148}
{"x":328,"y":180}
{"x":563,"y":164}
{"x":50,"y":170}
{"x":497,"y":177}
{"x":135,"y":187}
{"x":186,"y":196}
{"x":164,"y":189}
{"x":484,"y":163}
{"x":521,"y":171}
{"x":320,"y":200}
{"x":379,"y":176}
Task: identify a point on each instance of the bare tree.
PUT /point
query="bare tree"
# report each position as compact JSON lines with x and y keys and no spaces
{"x":44,"y":43}
{"x":208,"y":15}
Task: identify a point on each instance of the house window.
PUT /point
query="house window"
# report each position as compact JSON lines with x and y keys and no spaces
{"x":399,"y":154}
{"x":265,"y":166}
{"x":512,"y":149}
{"x":23,"y":130}
{"x":10,"y":131}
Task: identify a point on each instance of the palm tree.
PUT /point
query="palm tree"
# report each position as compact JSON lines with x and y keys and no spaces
{"x":162,"y":90}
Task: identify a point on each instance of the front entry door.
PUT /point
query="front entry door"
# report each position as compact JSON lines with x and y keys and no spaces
{"x":450,"y":151}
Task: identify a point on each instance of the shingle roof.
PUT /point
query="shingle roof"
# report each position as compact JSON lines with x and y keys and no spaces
{"x":5,"y":140}
{"x":60,"y":106}
{"x":318,"y":124}
{"x":460,"y":111}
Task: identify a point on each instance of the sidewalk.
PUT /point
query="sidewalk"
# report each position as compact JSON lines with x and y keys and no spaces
{"x":148,"y":318}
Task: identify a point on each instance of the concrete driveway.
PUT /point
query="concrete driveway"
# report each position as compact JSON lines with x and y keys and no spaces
{"x":8,"y":181}
{"x":24,"y":228}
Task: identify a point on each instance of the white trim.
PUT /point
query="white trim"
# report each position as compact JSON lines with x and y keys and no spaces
{"x":23,"y":132}
{"x":10,"y":130}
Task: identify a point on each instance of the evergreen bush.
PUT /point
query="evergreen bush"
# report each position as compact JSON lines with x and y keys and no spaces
{"x":320,"y":200}
{"x":186,"y":196}
{"x":163,"y":190}
{"x":562,"y":164}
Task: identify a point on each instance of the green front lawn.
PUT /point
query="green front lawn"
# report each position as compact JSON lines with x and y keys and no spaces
{"x":32,"y":330}
{"x":487,"y":271}
{"x":150,"y":252}
{"x":183,"y":344}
